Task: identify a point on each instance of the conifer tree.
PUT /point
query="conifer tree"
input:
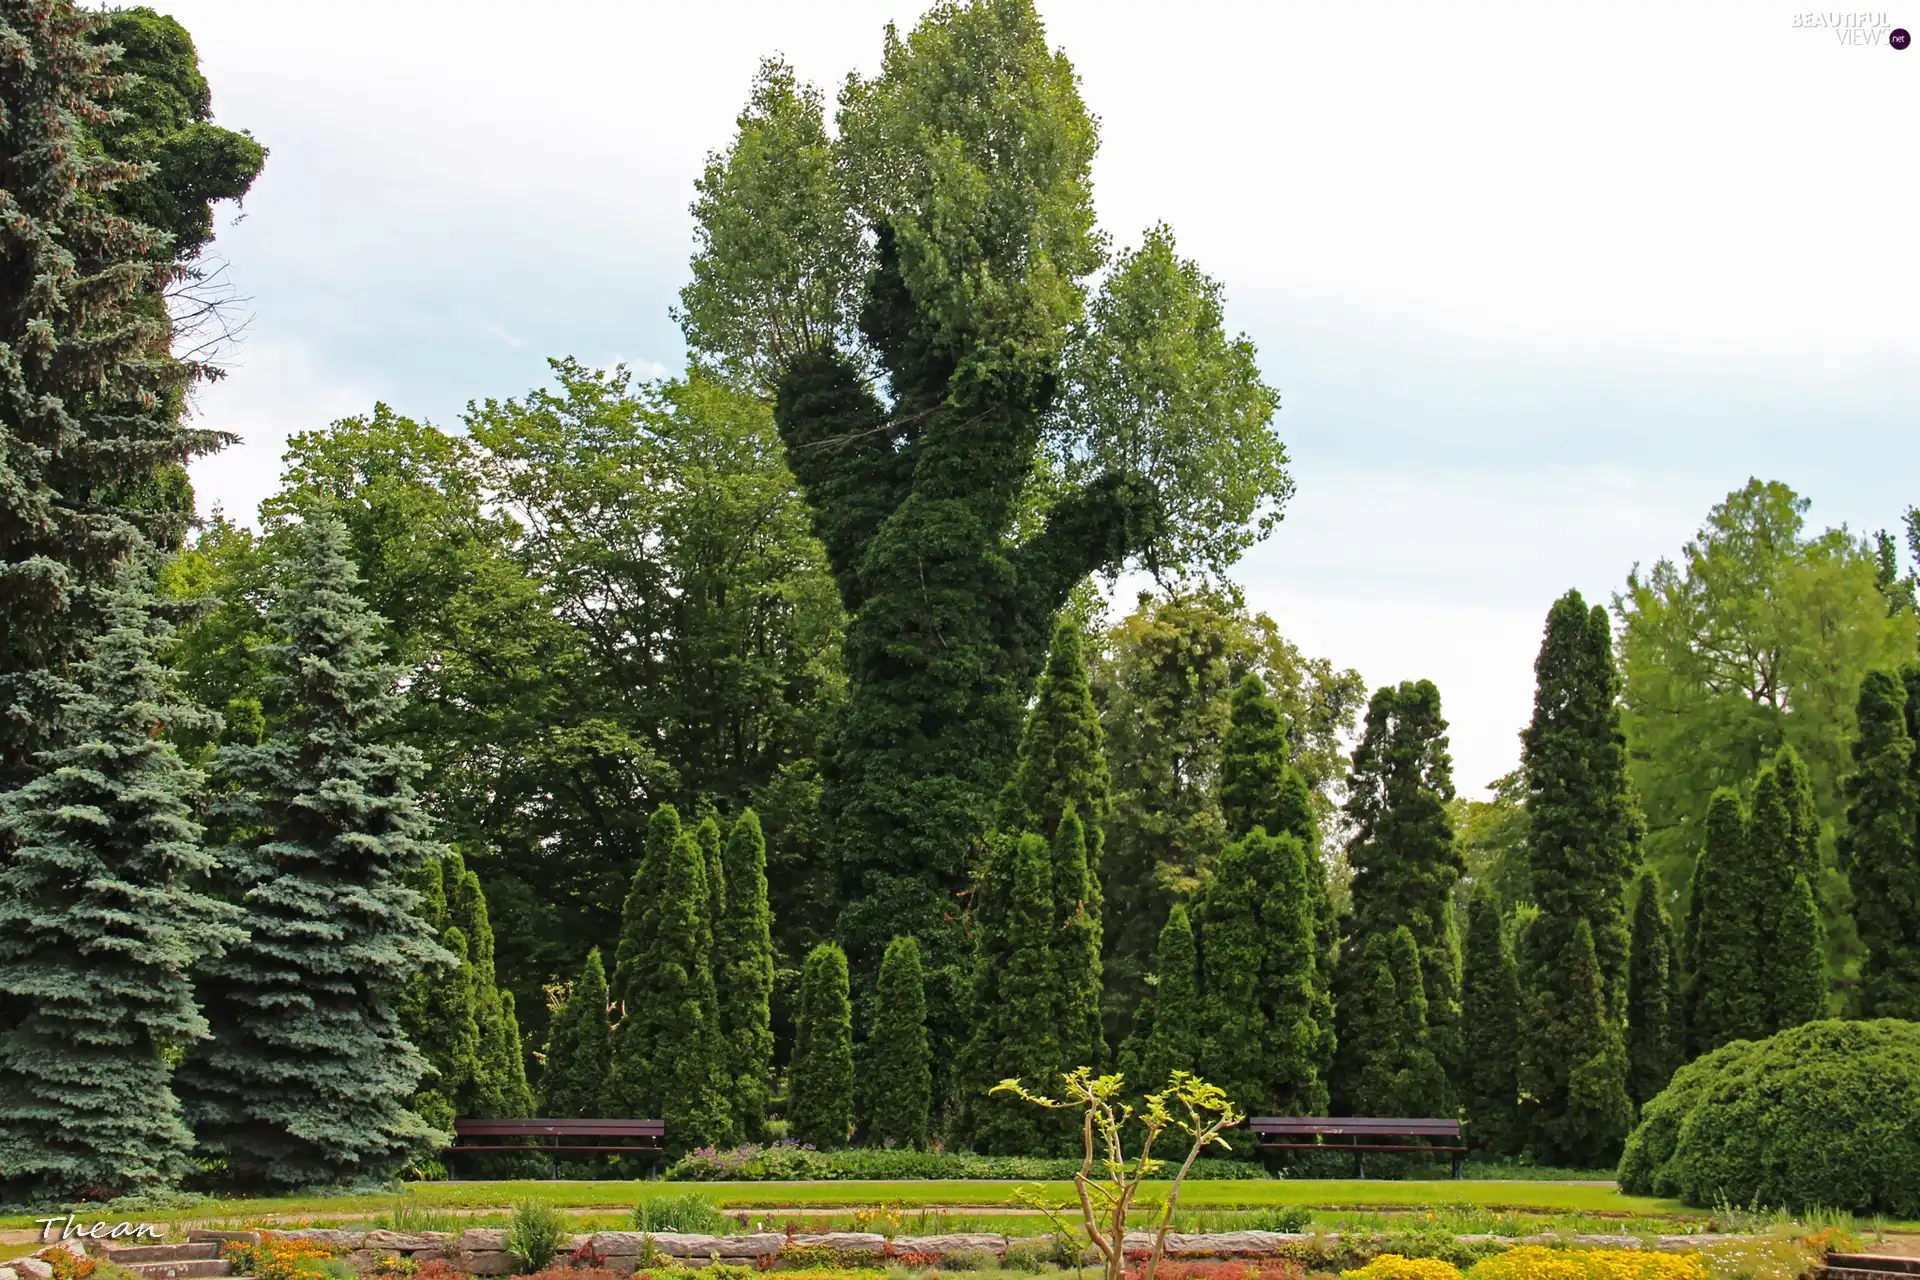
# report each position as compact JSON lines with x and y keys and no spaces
{"x":515,"y":1088}
{"x":449,"y":1037}
{"x":101,"y":919}
{"x":502,"y":1064}
{"x":1654,"y":1038}
{"x":1176,"y":1022}
{"x":1797,"y":965}
{"x":1881,"y":847}
{"x":630,"y":1089}
{"x":1781,"y":858}
{"x":1490,"y":1012}
{"x":575,"y":1078}
{"x":1421,"y":1088}
{"x":898,"y":1055}
{"x":1062,"y":760}
{"x":1017,"y":1032}
{"x":1405,"y":863}
{"x":1380,"y":1007}
{"x":707,"y":835}
{"x":307,"y":1074}
{"x":1579,"y":1078}
{"x":820,"y":1085}
{"x":1075,"y":948}
{"x":676,"y":1008}
{"x":1584,"y":825}
{"x":1727,"y":996}
{"x":743,"y":972}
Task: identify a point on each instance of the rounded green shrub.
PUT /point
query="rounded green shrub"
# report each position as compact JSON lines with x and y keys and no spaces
{"x":1824,"y":1115}
{"x":1643,"y":1166}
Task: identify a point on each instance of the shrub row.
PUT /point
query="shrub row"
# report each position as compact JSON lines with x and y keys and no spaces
{"x":790,"y":1161}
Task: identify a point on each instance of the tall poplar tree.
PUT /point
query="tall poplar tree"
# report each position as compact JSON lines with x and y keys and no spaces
{"x":820,"y":1085}
{"x":1655,"y":1038}
{"x":898,"y":1053}
{"x":101,"y":920}
{"x":1582,"y":846}
{"x":307,"y":1074}
{"x":916,"y":349}
{"x":448,"y":1036}
{"x":575,"y":1079}
{"x":743,"y":973}
{"x":1881,"y":846}
{"x":1491,"y":1013}
{"x":1405,"y":862}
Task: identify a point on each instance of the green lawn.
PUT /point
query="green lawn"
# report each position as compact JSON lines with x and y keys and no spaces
{"x":1543,"y":1197}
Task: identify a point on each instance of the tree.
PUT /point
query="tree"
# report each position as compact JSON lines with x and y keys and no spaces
{"x":1062,"y":760}
{"x":820,"y":1088}
{"x":1783,"y":858}
{"x":1400,"y":1075}
{"x":1492,"y":837}
{"x":575,"y":1078}
{"x":630,"y":1085}
{"x":1490,"y":1013}
{"x":1655,"y":1038}
{"x":950,"y":561}
{"x":1798,"y":971}
{"x":1880,"y":850}
{"x":1726,"y":996}
{"x":101,"y":920}
{"x":1017,"y":1009}
{"x":743,"y":972}
{"x":1075,"y":948}
{"x":1577,"y":1070}
{"x":898,"y":1054}
{"x":1759,"y":633}
{"x":500,"y":1076}
{"x":1405,"y":864}
{"x":306,"y":1076}
{"x":448,"y":1035}
{"x":1170,"y":1035}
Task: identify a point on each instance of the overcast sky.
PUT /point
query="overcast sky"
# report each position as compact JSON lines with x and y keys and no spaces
{"x":1537,"y":284}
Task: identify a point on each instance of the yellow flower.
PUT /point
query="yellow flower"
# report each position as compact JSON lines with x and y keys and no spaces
{"x":1536,"y":1262}
{"x":1391,"y":1266}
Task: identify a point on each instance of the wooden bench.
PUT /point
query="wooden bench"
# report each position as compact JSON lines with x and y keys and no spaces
{"x":558,"y":1138}
{"x":1358,"y":1134}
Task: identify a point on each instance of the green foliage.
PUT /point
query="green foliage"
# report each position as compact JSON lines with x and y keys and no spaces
{"x":448,"y":1035}
{"x":1881,"y":847}
{"x":675,"y":1005}
{"x":1797,"y":970}
{"x":1169,"y":1035}
{"x":743,"y":974}
{"x":630,"y":1086}
{"x":500,"y":1081}
{"x":1825,"y":1115}
{"x":1062,"y":760}
{"x":1759,"y":634}
{"x":1492,"y":838}
{"x":688,"y":1212}
{"x":1583,"y":845}
{"x":83,"y":283}
{"x":307,"y":1073}
{"x":1405,"y":867}
{"x":1643,"y":1167}
{"x":535,"y":1234}
{"x":1075,"y":946}
{"x":1016,"y":1007}
{"x":1655,"y":1034}
{"x":1576,"y":1066}
{"x":820,"y":1085}
{"x":1399,"y":1075}
{"x":101,"y":918}
{"x":898,"y":1055}
{"x":575,"y":1077}
{"x":1490,"y":1014}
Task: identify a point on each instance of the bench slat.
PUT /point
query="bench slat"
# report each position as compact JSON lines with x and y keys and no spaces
{"x":548,"y":1126}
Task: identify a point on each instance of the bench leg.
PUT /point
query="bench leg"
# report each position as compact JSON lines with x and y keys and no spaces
{"x":1456,"y":1166}
{"x":1359,"y":1164}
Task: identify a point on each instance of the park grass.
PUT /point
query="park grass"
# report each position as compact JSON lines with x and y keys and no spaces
{"x":960,"y":1196}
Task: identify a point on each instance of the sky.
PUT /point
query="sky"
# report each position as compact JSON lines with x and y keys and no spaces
{"x":1537,"y":284}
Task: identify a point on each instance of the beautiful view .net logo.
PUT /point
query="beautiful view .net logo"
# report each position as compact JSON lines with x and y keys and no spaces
{"x":1862,"y":29}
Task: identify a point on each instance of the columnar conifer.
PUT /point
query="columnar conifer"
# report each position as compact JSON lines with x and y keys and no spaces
{"x":574,"y":1081}
{"x":1797,"y":969}
{"x":898,"y":1053}
{"x":1490,"y":1013}
{"x":676,"y":1007}
{"x":500,"y":1086}
{"x":307,"y":1074}
{"x":743,"y":973}
{"x":1881,"y":847}
{"x":1583,"y":845}
{"x":1786,"y":949}
{"x":1017,"y":1009}
{"x":449,"y":1037}
{"x":820,"y":1087}
{"x":1654,"y":1032}
{"x":100,"y":921}
{"x":1062,"y":760}
{"x":1075,"y":950}
{"x":630,"y":1090}
{"x":1725,"y":998}
{"x":1175,"y":1024}
{"x":1405,"y":863}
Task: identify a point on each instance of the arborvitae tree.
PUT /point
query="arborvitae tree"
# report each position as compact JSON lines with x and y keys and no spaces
{"x":707,"y":835}
{"x":630,"y":1090}
{"x":898,"y":1054}
{"x":449,"y":1037}
{"x":500,"y":1086}
{"x":1577,"y":1070}
{"x":1405,"y":863}
{"x":1654,"y":1033}
{"x":1490,"y":1012}
{"x":1583,"y":845}
{"x":515,"y":1088}
{"x":101,"y":919}
{"x":743,"y":973}
{"x":1400,"y":1076}
{"x":1175,"y":1025}
{"x":1019,"y":1011}
{"x":1422,"y":1088}
{"x":307,"y":1074}
{"x":1062,"y":759}
{"x":1797,"y":968}
{"x":1881,"y":847}
{"x":574,"y":1081}
{"x":1584,"y":825}
{"x":1299,"y":1010}
{"x":1790,"y":966}
{"x":820,"y":1083}
{"x":677,"y":1009}
{"x":1076,"y":947}
{"x":1729,"y":977}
